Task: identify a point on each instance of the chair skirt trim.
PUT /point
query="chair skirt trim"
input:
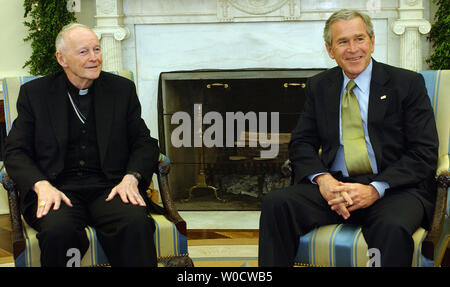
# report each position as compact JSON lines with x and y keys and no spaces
{"x":343,"y":245}
{"x":169,"y":243}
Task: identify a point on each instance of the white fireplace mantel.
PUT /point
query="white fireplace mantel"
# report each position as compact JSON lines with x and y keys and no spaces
{"x":153,"y":36}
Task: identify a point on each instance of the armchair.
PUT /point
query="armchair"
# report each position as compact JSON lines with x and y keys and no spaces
{"x":344,"y":245}
{"x":170,"y":234}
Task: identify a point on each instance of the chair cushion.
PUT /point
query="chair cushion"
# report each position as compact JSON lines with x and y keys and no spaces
{"x":343,"y":245}
{"x":438,"y":87}
{"x":168,"y":241}
{"x":11,"y":87}
{"x":124,"y":73}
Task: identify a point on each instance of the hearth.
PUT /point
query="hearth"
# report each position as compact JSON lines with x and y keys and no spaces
{"x":227,"y":132}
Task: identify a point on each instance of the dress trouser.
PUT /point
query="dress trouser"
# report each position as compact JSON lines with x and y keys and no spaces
{"x":288,"y":213}
{"x":124,"y":231}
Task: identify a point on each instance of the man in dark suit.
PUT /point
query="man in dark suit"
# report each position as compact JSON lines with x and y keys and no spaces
{"x":81,"y":154}
{"x":376,"y":131}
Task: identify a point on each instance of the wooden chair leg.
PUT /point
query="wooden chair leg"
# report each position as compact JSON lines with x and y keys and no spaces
{"x":446,"y":259}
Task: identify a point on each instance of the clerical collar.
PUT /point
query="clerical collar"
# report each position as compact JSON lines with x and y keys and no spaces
{"x":83,"y":92}
{"x":74,"y":90}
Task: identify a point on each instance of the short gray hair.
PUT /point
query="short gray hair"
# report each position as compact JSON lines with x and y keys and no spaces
{"x":59,"y":42}
{"x":346,"y":15}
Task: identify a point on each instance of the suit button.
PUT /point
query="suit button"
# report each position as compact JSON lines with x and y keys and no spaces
{"x":82,"y":162}
{"x":83,"y":147}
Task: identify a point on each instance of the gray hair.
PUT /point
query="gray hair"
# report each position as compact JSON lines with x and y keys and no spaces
{"x":59,"y":42}
{"x":346,"y":15}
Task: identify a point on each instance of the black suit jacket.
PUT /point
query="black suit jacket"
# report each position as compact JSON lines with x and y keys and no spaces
{"x":401,"y":128}
{"x":36,"y":146}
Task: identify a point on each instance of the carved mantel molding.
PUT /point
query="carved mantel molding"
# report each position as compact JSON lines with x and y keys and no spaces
{"x":228,"y":10}
{"x":111,"y":31}
{"x":409,"y":27}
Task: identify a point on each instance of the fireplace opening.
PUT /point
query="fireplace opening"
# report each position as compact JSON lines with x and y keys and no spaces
{"x":227,"y":132}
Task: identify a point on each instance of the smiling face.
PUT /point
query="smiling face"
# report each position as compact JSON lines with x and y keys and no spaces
{"x":351,"y":46}
{"x":80,"y":57}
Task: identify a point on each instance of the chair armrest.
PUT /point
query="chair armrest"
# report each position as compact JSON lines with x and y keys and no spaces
{"x":18,"y":240}
{"x":286,"y":169}
{"x":166,"y":197}
{"x":434,"y":234}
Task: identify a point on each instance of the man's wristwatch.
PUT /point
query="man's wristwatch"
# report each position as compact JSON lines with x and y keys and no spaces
{"x":137,"y":175}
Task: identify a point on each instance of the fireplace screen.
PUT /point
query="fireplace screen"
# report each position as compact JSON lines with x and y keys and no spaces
{"x":227,"y":134}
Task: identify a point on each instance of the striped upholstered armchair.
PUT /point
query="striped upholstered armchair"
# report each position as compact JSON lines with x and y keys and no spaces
{"x":344,"y":245}
{"x":170,"y":233}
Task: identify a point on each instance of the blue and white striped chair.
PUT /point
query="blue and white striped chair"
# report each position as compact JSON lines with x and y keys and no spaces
{"x":344,"y":245}
{"x":438,"y":86}
{"x":170,"y":234}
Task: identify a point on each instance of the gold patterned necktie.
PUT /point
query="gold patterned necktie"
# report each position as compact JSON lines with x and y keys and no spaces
{"x":355,"y":150}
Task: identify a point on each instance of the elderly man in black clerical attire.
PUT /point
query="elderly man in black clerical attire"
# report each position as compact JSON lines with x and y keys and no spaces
{"x":81,"y":154}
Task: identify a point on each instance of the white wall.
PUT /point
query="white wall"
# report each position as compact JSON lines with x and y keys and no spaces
{"x":13,"y":50}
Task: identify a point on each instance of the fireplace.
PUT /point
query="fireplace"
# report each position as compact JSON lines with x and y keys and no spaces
{"x":227,"y":133}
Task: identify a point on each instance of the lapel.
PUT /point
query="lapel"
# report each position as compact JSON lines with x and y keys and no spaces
{"x":57,"y":103}
{"x":380,"y":96}
{"x":104,"y":99}
{"x":332,"y":104}
{"x":376,"y":110}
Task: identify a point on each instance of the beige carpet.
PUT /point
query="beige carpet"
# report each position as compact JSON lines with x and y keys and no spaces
{"x":224,"y":252}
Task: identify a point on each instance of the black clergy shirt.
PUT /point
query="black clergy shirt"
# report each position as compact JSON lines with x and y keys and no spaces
{"x":82,"y":168}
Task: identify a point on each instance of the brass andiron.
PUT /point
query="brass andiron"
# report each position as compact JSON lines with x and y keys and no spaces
{"x":201,"y":181}
{"x":201,"y":177}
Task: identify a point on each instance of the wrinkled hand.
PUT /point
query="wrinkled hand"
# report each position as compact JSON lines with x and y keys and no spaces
{"x":48,"y":195}
{"x":128,"y":191}
{"x":328,"y":187}
{"x":358,"y":196}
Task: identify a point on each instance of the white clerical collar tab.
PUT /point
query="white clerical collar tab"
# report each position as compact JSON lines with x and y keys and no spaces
{"x":83,"y":92}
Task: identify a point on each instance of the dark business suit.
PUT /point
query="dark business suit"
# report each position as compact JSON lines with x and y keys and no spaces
{"x":403,"y":134}
{"x":36,"y":146}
